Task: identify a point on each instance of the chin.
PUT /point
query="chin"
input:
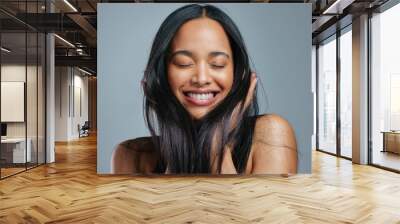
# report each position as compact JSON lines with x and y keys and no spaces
{"x":197,"y":116}
{"x":199,"y":113}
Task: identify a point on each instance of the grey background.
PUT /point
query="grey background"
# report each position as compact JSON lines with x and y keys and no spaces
{"x":278,"y":38}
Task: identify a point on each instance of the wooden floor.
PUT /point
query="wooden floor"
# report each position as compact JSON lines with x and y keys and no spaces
{"x":70,"y":191}
{"x":10,"y":171}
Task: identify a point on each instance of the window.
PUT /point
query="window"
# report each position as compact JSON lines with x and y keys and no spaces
{"x":346,"y":92}
{"x":385,"y":88}
{"x":327,"y":95}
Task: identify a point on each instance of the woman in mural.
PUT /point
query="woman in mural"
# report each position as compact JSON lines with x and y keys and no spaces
{"x":200,"y":105}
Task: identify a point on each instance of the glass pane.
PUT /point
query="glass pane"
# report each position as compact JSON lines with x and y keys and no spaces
{"x":41,"y":98}
{"x":31,"y":101}
{"x":13,"y":86}
{"x":327,"y":96}
{"x":386,"y":89}
{"x":346,"y":94}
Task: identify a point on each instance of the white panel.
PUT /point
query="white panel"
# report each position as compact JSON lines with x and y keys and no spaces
{"x":12,"y":101}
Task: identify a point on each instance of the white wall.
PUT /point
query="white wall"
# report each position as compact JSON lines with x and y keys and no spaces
{"x":69,"y":84}
{"x":12,"y":73}
{"x":16,"y":73}
{"x":79,"y":117}
{"x":62,"y":80}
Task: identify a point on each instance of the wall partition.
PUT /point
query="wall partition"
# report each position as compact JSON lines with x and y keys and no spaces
{"x":22,"y":88}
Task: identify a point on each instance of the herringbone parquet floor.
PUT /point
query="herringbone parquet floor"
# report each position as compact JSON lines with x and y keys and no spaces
{"x":70,"y":191}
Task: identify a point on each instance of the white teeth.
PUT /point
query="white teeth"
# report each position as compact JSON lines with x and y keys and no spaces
{"x":201,"y":96}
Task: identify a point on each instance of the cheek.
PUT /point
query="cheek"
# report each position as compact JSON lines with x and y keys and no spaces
{"x":172,"y":80}
{"x":176,"y":79}
{"x":226,"y":80}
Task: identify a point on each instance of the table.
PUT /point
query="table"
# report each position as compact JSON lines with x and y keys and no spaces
{"x":391,"y":141}
{"x":13,"y":150}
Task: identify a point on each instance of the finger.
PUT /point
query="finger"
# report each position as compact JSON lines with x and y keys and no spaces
{"x":250,"y":93}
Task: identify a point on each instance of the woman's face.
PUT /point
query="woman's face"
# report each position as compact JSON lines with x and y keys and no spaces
{"x":200,"y":68}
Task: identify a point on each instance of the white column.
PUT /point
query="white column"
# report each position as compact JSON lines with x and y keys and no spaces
{"x":50,"y":100}
{"x":50,"y":92}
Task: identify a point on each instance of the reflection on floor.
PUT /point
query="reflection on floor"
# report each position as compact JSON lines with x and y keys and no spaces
{"x":387,"y":159}
{"x":346,"y":152}
{"x":10,"y":169}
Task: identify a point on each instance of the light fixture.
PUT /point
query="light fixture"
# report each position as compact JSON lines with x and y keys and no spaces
{"x":65,"y":41}
{"x":5,"y":50}
{"x":329,"y":9}
{"x":79,"y":51}
{"x":84,"y":71}
{"x":70,"y":5}
{"x":337,"y":7}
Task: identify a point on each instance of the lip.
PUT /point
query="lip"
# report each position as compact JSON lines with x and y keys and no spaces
{"x":197,"y":102}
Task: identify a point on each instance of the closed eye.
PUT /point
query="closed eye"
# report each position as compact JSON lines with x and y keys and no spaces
{"x":183,"y":65}
{"x":217,"y":66}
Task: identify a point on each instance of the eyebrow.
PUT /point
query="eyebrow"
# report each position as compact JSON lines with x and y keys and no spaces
{"x":184,"y":52}
{"x":217,"y":53}
{"x":189,"y":54}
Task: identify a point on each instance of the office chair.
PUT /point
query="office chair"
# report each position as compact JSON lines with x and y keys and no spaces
{"x":84,"y":130}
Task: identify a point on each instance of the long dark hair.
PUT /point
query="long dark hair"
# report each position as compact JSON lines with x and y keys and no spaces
{"x":184,"y":144}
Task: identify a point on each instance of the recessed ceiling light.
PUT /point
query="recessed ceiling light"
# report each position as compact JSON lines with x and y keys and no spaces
{"x":70,"y":5}
{"x":5,"y":50}
{"x":337,"y":7}
{"x":84,"y":71}
{"x":65,"y":41}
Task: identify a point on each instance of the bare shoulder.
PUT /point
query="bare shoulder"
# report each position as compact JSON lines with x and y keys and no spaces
{"x":134,"y":156}
{"x":274,"y":148}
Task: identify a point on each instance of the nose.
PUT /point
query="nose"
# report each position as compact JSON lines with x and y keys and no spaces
{"x":202,"y":76}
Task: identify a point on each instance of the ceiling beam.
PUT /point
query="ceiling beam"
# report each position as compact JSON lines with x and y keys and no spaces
{"x":83,"y":61}
{"x":86,"y":27}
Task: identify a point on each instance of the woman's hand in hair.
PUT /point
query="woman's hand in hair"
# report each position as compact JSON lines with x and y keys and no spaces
{"x":252,"y":88}
{"x":237,"y":113}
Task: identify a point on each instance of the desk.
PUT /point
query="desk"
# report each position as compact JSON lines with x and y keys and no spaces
{"x":13,"y":150}
{"x":391,"y":141}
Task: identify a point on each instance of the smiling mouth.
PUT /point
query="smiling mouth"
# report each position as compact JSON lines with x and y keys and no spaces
{"x":201,"y":99}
